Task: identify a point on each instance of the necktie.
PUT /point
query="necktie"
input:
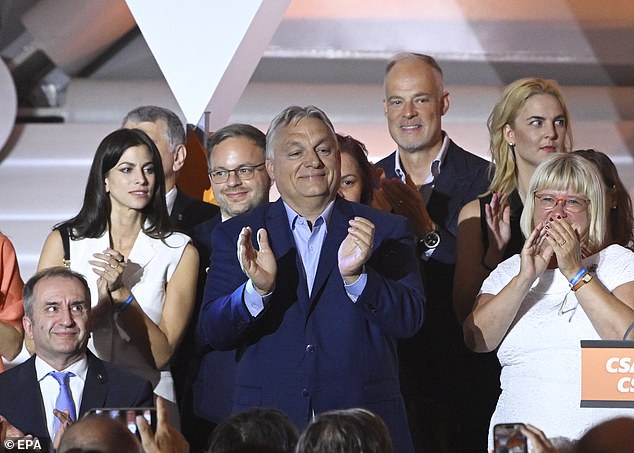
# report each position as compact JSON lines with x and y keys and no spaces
{"x":64,"y":400}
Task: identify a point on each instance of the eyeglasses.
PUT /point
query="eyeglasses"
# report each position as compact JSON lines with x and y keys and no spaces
{"x":244,"y":172}
{"x":570,"y":204}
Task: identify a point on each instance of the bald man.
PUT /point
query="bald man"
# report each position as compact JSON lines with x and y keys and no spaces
{"x":99,"y":433}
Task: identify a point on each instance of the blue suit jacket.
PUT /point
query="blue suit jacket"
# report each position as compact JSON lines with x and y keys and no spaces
{"x":215,"y":370}
{"x":106,"y":386}
{"x":312,"y":354}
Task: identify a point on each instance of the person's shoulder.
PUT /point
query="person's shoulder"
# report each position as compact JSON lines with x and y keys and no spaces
{"x":387,"y":163}
{"x":254,"y":218}
{"x":470,"y":158}
{"x":16,"y":375}
{"x":205,"y":228}
{"x":470,"y":210}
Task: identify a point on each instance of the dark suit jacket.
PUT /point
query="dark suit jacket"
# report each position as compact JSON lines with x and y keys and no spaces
{"x":216,"y":370}
{"x":312,"y":354}
{"x":463,"y":176}
{"x":106,"y":386}
{"x":433,"y":370}
{"x":188,"y":212}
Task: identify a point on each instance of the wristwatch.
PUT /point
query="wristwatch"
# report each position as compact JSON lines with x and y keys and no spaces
{"x":428,"y":242}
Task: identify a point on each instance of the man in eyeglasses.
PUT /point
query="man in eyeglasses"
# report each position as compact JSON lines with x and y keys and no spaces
{"x":240,"y":182}
{"x":236,"y":169}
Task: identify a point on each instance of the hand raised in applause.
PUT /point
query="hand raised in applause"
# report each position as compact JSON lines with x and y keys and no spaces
{"x":109,"y":266}
{"x":535,"y":254}
{"x":355,"y":249}
{"x":407,"y":201}
{"x":64,"y":422}
{"x":258,"y":265}
{"x":497,"y":215}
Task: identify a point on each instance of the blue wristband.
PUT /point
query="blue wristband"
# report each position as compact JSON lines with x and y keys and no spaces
{"x":578,"y":276}
{"x":125,"y":304}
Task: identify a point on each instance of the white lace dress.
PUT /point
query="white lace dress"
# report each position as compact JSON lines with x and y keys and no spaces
{"x":541,"y":353}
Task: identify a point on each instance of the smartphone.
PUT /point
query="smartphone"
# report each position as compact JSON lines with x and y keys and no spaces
{"x":507,"y":438}
{"x":127,"y":416}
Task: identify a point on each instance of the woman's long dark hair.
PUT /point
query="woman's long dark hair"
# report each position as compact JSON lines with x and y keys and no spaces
{"x":93,"y":218}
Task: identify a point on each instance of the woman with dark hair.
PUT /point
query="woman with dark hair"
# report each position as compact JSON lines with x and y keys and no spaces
{"x":358,"y":179}
{"x":618,"y":201}
{"x":142,"y":276}
{"x":345,"y":431}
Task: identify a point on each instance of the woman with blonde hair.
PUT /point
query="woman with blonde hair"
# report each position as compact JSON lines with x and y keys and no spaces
{"x":566,"y":285}
{"x":529,"y":123}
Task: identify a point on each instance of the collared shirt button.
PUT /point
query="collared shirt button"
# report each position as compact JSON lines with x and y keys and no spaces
{"x":310,"y":348}
{"x":305,"y":393}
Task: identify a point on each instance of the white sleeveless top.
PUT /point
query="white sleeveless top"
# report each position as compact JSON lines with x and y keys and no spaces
{"x":148,"y":270}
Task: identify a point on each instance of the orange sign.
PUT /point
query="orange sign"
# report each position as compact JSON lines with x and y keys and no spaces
{"x":607,"y":373}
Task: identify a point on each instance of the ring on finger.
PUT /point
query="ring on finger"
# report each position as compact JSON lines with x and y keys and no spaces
{"x":562,"y":243}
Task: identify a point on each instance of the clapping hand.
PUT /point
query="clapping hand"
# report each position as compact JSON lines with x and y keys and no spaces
{"x":355,"y":249}
{"x":258,"y":265}
{"x":109,"y":266}
{"x":498,"y":219}
{"x":407,"y":201}
{"x":535,"y":254}
{"x":64,"y":422}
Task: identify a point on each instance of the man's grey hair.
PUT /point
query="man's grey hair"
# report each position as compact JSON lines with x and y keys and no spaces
{"x":28,"y":293}
{"x":292,"y":115}
{"x":152,"y":113}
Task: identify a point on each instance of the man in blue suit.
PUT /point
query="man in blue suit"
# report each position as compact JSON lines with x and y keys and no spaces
{"x":240,"y":183}
{"x":57,"y":319}
{"x":315,"y":310}
{"x":429,"y":178}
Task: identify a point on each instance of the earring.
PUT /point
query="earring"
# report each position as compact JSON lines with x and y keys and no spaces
{"x":511,"y":147}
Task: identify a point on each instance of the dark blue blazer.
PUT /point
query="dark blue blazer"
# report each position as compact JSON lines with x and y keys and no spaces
{"x":306,"y":355}
{"x":216,"y":370}
{"x":433,"y":362}
{"x":106,"y":386}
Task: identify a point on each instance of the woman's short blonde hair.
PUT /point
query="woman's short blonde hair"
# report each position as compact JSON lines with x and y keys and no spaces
{"x":505,"y":112}
{"x":569,"y":172}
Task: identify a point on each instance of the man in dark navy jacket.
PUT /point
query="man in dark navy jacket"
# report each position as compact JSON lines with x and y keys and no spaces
{"x":315,"y":309}
{"x":429,"y":179}
{"x":57,"y":319}
{"x":240,"y":183}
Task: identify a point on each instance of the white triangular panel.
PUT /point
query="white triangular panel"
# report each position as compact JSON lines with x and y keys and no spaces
{"x":207,"y":49}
